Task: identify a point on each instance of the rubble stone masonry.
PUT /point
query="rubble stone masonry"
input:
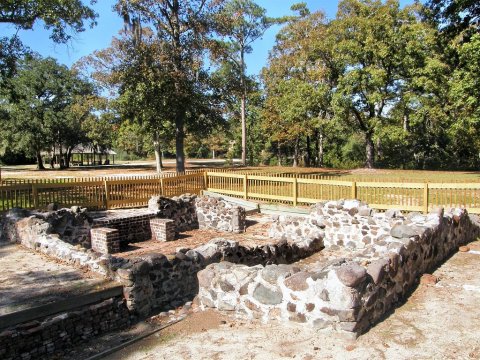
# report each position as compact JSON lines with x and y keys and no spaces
{"x":380,"y":259}
{"x":52,"y":336}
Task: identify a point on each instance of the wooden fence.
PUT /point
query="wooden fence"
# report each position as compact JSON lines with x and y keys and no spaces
{"x":98,"y":194}
{"x":62,"y":180}
{"x":112,"y":193}
{"x":318,"y":174}
{"x":399,"y":195}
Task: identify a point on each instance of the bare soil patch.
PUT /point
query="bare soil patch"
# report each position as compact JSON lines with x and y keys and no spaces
{"x":30,"y":279}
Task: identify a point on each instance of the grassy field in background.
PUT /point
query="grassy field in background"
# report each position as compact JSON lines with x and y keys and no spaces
{"x":384,"y":175}
{"x":141,"y":168}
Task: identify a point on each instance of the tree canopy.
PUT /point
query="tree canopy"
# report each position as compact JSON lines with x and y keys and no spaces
{"x":378,"y":85}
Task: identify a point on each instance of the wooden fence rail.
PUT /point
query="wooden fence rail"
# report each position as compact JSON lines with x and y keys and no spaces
{"x":400,"y":195}
{"x":99,"y":194}
{"x":162,"y":175}
{"x":115,"y":193}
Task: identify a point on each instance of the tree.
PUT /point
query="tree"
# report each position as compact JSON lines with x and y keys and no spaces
{"x":454,"y":17}
{"x":181,"y":29}
{"x":132,"y":69}
{"x":59,"y":16}
{"x":39,"y":107}
{"x":375,"y":43}
{"x":299,"y":82}
{"x":133,"y":138}
{"x":240,"y":24}
{"x":100,"y":131}
{"x":464,"y":94}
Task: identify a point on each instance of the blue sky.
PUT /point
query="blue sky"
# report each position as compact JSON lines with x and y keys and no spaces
{"x":109,"y":24}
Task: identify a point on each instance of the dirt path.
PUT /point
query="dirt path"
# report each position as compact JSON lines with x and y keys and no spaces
{"x":439,"y":321}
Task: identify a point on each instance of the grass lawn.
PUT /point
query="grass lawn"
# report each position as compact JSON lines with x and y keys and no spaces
{"x":142,"y":168}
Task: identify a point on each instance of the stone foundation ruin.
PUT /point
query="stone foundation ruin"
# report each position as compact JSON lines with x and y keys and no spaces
{"x":379,"y":259}
{"x":358,"y":263}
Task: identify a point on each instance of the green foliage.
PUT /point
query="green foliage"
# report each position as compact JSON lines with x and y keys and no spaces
{"x":375,"y":76}
{"x":181,"y":32}
{"x":133,"y":139}
{"x":238,"y":24}
{"x":454,"y":17}
{"x":62,"y":17}
{"x":46,"y":106}
{"x":57,"y":15}
{"x":378,"y":85}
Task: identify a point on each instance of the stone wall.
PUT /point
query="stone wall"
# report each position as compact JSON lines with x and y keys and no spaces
{"x":216,"y":213}
{"x":155,"y":280}
{"x":353,"y":225}
{"x":347,"y":294}
{"x":158,"y":281}
{"x":181,"y":209}
{"x":34,"y":232}
{"x":73,"y":225}
{"x":295,"y":228}
{"x":52,"y":336}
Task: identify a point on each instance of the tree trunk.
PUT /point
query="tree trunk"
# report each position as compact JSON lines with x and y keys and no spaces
{"x":308,"y":158}
{"x":68,"y":157}
{"x":379,"y":150}
{"x":243,"y":109}
{"x":244,"y":132}
{"x":279,"y":155}
{"x":39,"y":161}
{"x":320,"y":149}
{"x":179,"y":141}
{"x":213,"y":154}
{"x":370,"y":151}
{"x":60,"y":156}
{"x":158,"y":154}
{"x":406,"y":123}
{"x":296,"y":152}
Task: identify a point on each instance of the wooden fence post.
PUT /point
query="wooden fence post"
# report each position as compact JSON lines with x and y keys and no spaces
{"x":162,"y":187}
{"x":107,"y":194}
{"x":35,"y":196}
{"x":245,"y":187}
{"x":354,"y":190}
{"x":294,"y":188}
{"x":205,"y":180}
{"x":425,"y":198}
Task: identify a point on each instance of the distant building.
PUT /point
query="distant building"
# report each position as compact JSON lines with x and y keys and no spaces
{"x":82,"y":155}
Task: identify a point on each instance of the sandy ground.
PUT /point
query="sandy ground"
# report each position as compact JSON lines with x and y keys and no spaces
{"x":439,"y":321}
{"x":147,"y":167}
{"x":128,"y":168}
{"x":31,"y":279}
